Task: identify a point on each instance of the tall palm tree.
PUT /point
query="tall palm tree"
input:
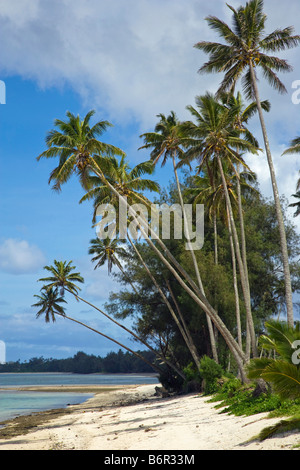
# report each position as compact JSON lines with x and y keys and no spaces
{"x":49,"y":303}
{"x":245,"y":51}
{"x":167,"y":141}
{"x":74,"y":142}
{"x":216,"y":140}
{"x":63,"y":277}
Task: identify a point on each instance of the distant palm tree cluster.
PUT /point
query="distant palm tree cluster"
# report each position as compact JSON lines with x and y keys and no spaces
{"x":212,"y":148}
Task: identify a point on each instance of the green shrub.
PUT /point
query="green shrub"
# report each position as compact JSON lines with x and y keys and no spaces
{"x":192,"y":373}
{"x":210,"y":372}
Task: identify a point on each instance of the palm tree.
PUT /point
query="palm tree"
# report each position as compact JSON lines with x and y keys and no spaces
{"x":216,"y":140}
{"x":245,"y":51}
{"x":63,"y":277}
{"x":123,"y":181}
{"x":106,"y":251}
{"x":167,"y":141}
{"x":49,"y":303}
{"x":74,"y":142}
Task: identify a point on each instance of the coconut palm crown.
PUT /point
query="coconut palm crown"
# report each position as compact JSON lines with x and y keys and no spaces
{"x":246,"y":49}
{"x":49,"y":301}
{"x":247,"y":45}
{"x":75,"y":143}
{"x":62,"y":277}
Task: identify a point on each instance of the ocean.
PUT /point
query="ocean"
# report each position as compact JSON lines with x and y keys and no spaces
{"x":14,"y":403}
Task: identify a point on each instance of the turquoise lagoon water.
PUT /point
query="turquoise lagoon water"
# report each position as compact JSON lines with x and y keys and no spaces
{"x":15,"y":403}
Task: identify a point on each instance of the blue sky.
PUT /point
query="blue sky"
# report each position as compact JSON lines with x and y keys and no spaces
{"x":129,"y":64}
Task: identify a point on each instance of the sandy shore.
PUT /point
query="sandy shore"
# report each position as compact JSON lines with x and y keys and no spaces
{"x":133,"y":418}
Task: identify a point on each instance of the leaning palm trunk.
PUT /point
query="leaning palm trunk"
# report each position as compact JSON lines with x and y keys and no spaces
{"x":283,"y":242}
{"x":125,"y":276}
{"x":131,"y":333}
{"x":158,"y":369}
{"x":240,"y":262}
{"x":183,"y":330}
{"x":209,"y":322}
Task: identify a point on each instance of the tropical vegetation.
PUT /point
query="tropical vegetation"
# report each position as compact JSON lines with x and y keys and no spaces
{"x":206,"y":315}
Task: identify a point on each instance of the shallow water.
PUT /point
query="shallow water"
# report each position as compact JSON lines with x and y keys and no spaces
{"x":18,"y":403}
{"x":15,"y":403}
{"x":20,"y":380}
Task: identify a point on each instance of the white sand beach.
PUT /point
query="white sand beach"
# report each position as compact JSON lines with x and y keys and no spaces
{"x":132,"y":418}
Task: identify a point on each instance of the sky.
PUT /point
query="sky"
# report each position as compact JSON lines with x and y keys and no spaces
{"x":129,"y":61}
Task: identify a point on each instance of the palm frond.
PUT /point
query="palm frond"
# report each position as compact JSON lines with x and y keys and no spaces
{"x":256,"y":367}
{"x":285,"y":378}
{"x":283,"y":426}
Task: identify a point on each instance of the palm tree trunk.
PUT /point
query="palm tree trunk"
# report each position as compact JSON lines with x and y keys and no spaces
{"x":240,"y":262}
{"x":216,"y":239}
{"x":128,"y":331}
{"x":193,"y":291}
{"x":158,"y":369}
{"x":204,"y":304}
{"x":125,"y":275}
{"x":283,"y":242}
{"x":244,"y":250}
{"x":235,"y":285}
{"x":186,"y":336}
{"x":241,"y":220}
{"x":209,"y":322}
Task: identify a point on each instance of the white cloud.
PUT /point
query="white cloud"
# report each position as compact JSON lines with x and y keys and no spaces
{"x":286,"y":169}
{"x":19,"y":257}
{"x":135,"y":59}
{"x":132,"y":60}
